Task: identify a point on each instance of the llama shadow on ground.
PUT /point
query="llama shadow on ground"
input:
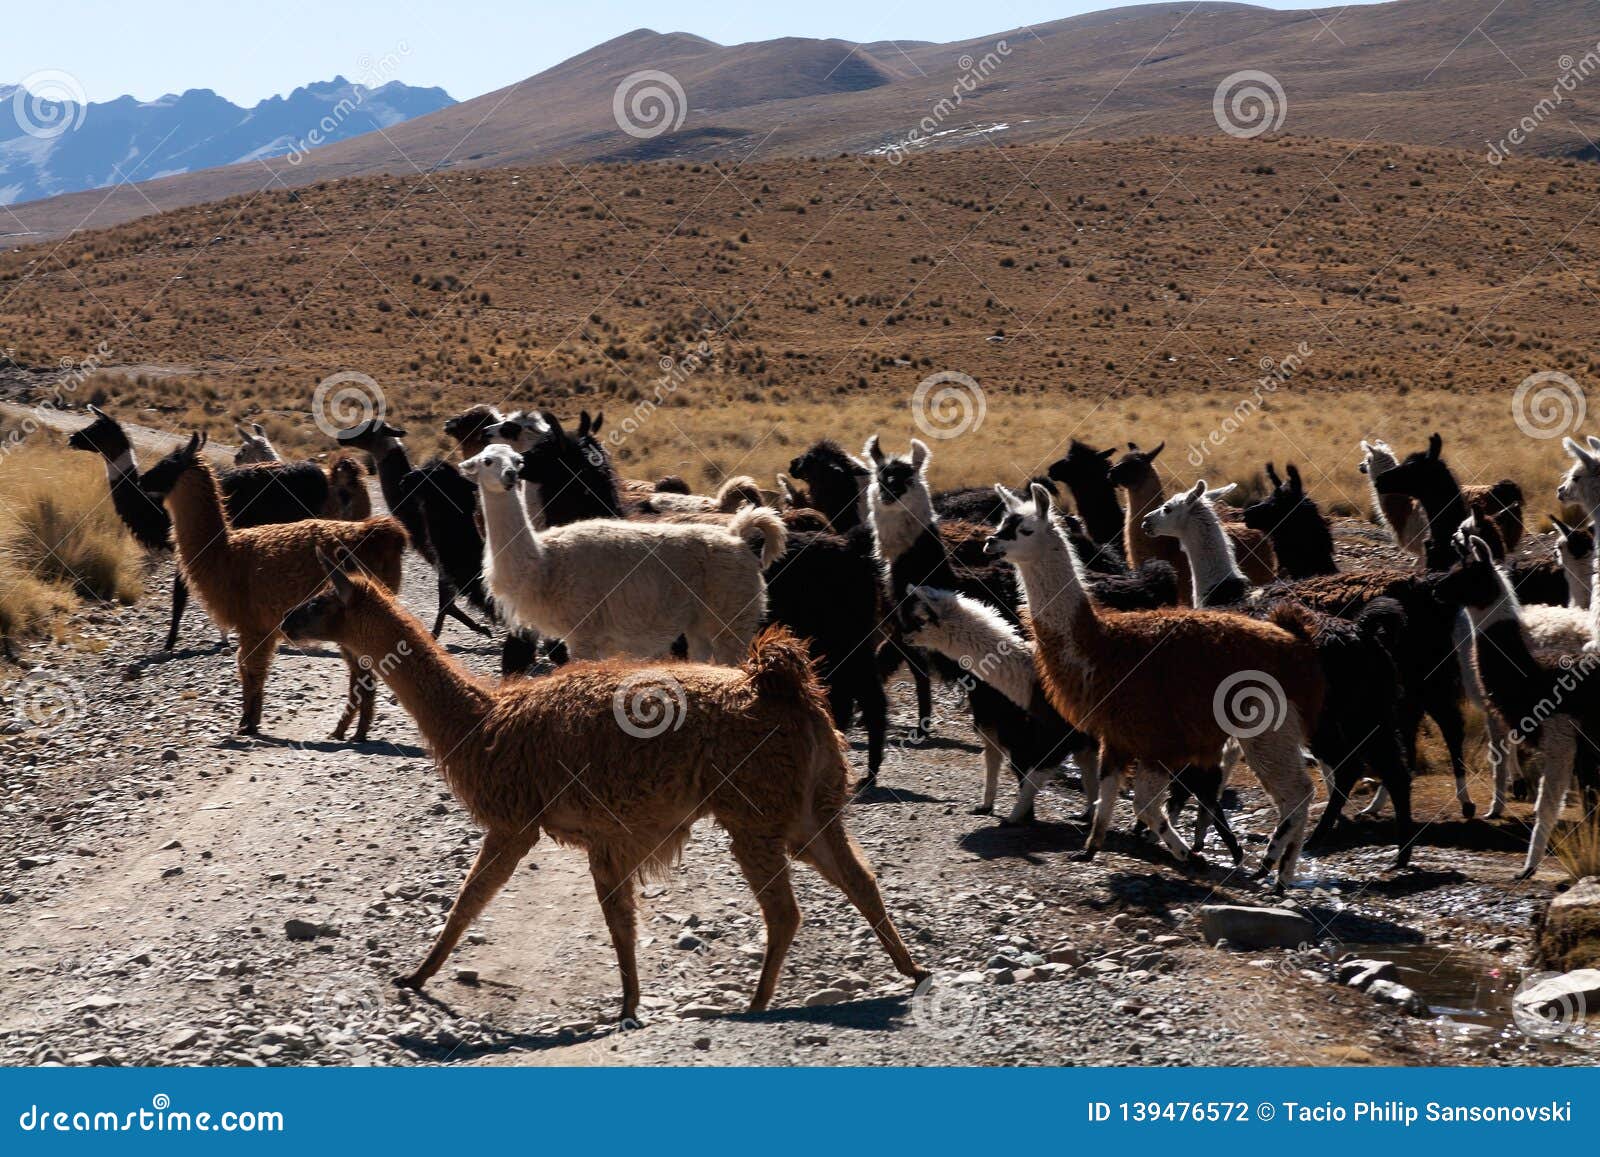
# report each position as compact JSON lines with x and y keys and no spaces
{"x":1505,"y":834}
{"x":158,"y":659}
{"x":370,"y":747}
{"x":880,"y":792}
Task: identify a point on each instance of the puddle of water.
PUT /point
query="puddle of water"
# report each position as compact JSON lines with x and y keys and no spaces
{"x":1471,"y":996}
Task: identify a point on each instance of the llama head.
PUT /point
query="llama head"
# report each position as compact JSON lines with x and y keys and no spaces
{"x":162,"y":478}
{"x":470,"y":428}
{"x":494,"y":468}
{"x":375,"y":436}
{"x":894,"y":478}
{"x":102,"y":436}
{"x":837,"y":481}
{"x":324,"y":617}
{"x":1026,"y":531}
{"x":1083,"y":466}
{"x":923,"y":609}
{"x":1285,"y":503}
{"x":1178,"y":512}
{"x":1574,"y":546}
{"x":1136,"y":467}
{"x":254,"y":445}
{"x":1417,"y":474}
{"x":555,"y":459}
{"x":1475,"y":583}
{"x":522,"y":429}
{"x":1581,"y":486}
{"x":1376,"y":457}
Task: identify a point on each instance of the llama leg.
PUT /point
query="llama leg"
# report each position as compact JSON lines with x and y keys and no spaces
{"x":1559,"y":750}
{"x":1027,"y":791}
{"x":352,"y":696}
{"x":1405,"y":829}
{"x":180,"y":600}
{"x":1111,"y":768}
{"x":1088,"y":761}
{"x":1208,"y":803}
{"x":517,"y":653}
{"x":874,"y":715}
{"x":254,"y":661}
{"x":1336,"y":781}
{"x":766,"y":868}
{"x":613,"y":883}
{"x":1277,"y":761}
{"x":1149,"y":786}
{"x":498,"y":857}
{"x":993,"y":756}
{"x":1379,"y":798}
{"x":447,"y":599}
{"x":1446,"y":712}
{"x":831,"y":851}
{"x":366,"y":686}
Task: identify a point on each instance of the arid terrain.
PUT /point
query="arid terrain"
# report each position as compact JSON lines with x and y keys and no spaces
{"x":154,"y":862}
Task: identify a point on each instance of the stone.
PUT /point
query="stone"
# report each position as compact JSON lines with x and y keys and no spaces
{"x":1388,"y":992}
{"x":468,"y":976}
{"x":703,"y":1043}
{"x":181,"y":1038}
{"x":1250,"y":928}
{"x":689,"y":942}
{"x":701,"y":1011}
{"x":297,"y":929}
{"x":1361,"y":973}
{"x":1064,"y":954}
{"x":1568,"y":996}
{"x":1569,"y":934}
{"x":826,"y":996}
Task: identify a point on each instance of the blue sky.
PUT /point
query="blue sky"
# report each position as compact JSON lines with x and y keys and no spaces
{"x":248,"y":51}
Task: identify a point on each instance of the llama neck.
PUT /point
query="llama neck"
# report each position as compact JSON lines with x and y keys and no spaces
{"x":1212,"y":564}
{"x":1579,"y":573}
{"x":1304,"y":545}
{"x":1143,"y":497}
{"x":988,"y":648}
{"x":1446,"y":508}
{"x":1054,"y":590}
{"x":898,"y":525}
{"x":448,"y":704}
{"x":1098,"y":507}
{"x":507,"y":532}
{"x":393,"y":465}
{"x":199,"y":523}
{"x":121,"y":466}
{"x":1510,"y":676}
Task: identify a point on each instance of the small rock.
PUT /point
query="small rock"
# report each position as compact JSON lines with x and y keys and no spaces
{"x":297,"y":929}
{"x":1560,"y":995}
{"x":826,"y":996}
{"x":1362,"y":973}
{"x":689,"y":942}
{"x":1247,"y":928}
{"x":175,"y":870}
{"x":701,"y":1011}
{"x":1388,"y":992}
{"x":170,"y":845}
{"x":813,"y":1039}
{"x":703,"y":1043}
{"x":181,"y":1038}
{"x":468,"y":976}
{"x":1064,"y":954}
{"x":170,"y":755}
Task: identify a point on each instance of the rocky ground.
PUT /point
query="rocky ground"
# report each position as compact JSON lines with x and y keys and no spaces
{"x":173,"y":894}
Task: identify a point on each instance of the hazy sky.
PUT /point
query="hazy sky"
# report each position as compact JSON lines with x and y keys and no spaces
{"x":249,"y":51}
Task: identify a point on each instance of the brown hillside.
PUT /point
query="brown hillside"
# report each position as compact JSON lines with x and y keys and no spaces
{"x":1457,"y":73}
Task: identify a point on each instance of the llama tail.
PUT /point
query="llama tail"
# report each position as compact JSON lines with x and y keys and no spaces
{"x":766,"y":521}
{"x":1382,"y":621}
{"x":741,"y":490}
{"x":1295,"y":619}
{"x":780,"y":667}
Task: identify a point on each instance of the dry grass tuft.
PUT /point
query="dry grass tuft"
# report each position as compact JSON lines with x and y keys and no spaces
{"x":1577,"y":846}
{"x":59,"y":537}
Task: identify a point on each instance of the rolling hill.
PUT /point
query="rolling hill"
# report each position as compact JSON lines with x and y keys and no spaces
{"x":1452,"y":73}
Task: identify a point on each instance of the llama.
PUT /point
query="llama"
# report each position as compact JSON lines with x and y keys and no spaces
{"x":1424,"y":477}
{"x":437,"y":508}
{"x":982,"y":642}
{"x":740,"y":490}
{"x":255,"y":496}
{"x":254,"y":446}
{"x":1548,"y":701}
{"x":1301,"y":539}
{"x":249,"y":578}
{"x":1095,"y":669}
{"x":621,"y":588}
{"x":1564,"y":579}
{"x":750,"y":746}
{"x":1135,"y":472}
{"x":471,"y":429}
{"x":1398,"y":513}
{"x":837,"y":484}
{"x":1580,"y":486}
{"x":1086,"y":473}
{"x":1358,"y":733}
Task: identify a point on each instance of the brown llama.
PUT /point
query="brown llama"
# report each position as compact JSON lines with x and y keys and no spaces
{"x":249,"y":578}
{"x":751,"y":746}
{"x":1135,"y":472}
{"x":1167,"y":687}
{"x":348,"y":497}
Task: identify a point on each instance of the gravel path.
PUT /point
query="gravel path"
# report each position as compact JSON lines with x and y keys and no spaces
{"x":156,"y":871}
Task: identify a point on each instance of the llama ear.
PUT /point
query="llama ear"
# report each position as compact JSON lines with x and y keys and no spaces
{"x":261,"y":431}
{"x":873,"y":451}
{"x":1221,"y":491}
{"x":1008,"y":499}
{"x":1435,"y":444}
{"x":1107,"y":452}
{"x":1366,"y":447}
{"x":1579,"y":453}
{"x":599,"y":420}
{"x":1196,"y":491}
{"x":1272,"y":476}
{"x":97,"y":411}
{"x":583,"y":423}
{"x":1160,"y":446}
{"x":1481,"y":549}
{"x":552,"y":423}
{"x":919,"y":453}
{"x":1594,"y":443}
{"x":1294,"y":479}
{"x":1562,"y":528}
{"x":1044,"y":502}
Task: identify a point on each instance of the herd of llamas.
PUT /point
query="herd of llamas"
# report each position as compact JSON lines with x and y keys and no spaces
{"x":1088,"y":615}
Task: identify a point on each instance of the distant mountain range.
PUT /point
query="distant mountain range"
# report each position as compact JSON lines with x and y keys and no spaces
{"x":62,"y":147}
{"x":1462,"y":74}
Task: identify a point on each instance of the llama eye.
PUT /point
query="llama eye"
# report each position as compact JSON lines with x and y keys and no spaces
{"x":1025,"y":531}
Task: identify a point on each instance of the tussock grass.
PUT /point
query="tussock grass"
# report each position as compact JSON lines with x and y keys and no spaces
{"x":59,"y":538}
{"x":1577,"y":846}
